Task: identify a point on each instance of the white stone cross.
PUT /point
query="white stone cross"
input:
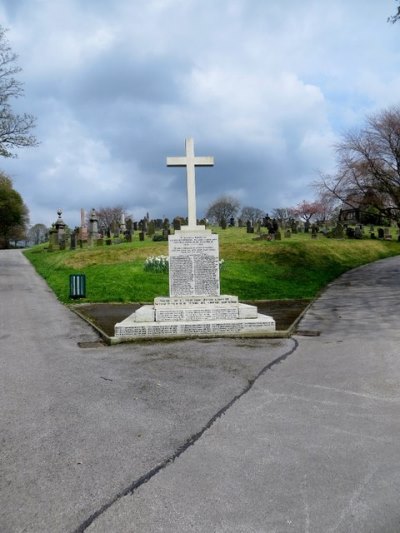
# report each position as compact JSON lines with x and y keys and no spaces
{"x":190,"y":162}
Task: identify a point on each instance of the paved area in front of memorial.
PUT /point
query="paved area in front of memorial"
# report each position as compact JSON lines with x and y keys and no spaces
{"x":283,"y":435}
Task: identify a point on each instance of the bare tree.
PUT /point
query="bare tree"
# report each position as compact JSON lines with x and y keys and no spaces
{"x":283,"y":215}
{"x":107,"y":216}
{"x":252,"y":213}
{"x":329,"y":207}
{"x":14,"y":129}
{"x":37,"y":233}
{"x":368,"y":170}
{"x":223,"y":209}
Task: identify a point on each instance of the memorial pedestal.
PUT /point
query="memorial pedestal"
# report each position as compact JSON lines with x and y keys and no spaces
{"x":195,"y":307}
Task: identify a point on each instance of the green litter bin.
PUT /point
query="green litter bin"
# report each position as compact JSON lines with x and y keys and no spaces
{"x":77,"y":286}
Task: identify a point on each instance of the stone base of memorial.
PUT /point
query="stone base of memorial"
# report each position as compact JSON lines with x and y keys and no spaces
{"x":198,"y":316}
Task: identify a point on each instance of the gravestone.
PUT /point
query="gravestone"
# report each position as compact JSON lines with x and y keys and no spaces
{"x":386,"y":234}
{"x":381,"y":233}
{"x":358,"y":233}
{"x":314,"y":231}
{"x":53,"y":241}
{"x":74,"y":238}
{"x":249,"y":226}
{"x":194,"y":307}
{"x":60,"y":227}
{"x":129,"y":225}
{"x":83,"y":231}
{"x":122,"y":224}
{"x":338,"y":231}
{"x":151,"y":228}
{"x":177,"y":224}
{"x":93,"y":227}
{"x":114,"y":228}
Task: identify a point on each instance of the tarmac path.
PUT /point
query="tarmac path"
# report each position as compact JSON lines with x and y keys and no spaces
{"x":226,"y":435}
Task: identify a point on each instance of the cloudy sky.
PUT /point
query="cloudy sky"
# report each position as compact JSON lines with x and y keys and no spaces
{"x":265,"y":86}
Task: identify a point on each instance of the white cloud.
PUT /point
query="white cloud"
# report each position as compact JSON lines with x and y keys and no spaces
{"x":263,"y":86}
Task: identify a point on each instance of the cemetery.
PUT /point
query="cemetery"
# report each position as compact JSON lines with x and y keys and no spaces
{"x":184,"y":278}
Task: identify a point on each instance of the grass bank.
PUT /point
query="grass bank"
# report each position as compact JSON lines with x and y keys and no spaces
{"x":298,"y":267}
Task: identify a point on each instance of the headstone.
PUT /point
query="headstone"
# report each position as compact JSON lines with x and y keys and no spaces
{"x":386,"y":234}
{"x":74,"y":238}
{"x":288,"y":234}
{"x":93,"y":227}
{"x":53,"y":241}
{"x":122,"y":224}
{"x":60,"y":227}
{"x":83,"y":231}
{"x":194,"y":307}
{"x":357,"y":232}
{"x":177,"y":224}
{"x":129,"y":225}
{"x":114,"y":228}
{"x":151,"y":228}
{"x":314,"y":231}
{"x":338,"y":231}
{"x":381,"y":233}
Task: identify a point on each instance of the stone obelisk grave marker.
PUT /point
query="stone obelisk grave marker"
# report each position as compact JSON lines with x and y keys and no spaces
{"x":194,"y":307}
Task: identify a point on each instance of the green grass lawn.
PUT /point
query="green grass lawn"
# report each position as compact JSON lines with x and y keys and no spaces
{"x":298,"y":267}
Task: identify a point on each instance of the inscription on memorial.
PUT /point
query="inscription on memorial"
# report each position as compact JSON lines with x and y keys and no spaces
{"x":194,"y":301}
{"x":216,"y":313}
{"x":194,"y":265}
{"x":217,"y":327}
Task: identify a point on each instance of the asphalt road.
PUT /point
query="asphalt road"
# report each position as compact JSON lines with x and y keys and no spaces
{"x":300,"y":434}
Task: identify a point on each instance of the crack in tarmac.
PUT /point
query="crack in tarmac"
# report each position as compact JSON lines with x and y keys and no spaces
{"x":190,"y":442}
